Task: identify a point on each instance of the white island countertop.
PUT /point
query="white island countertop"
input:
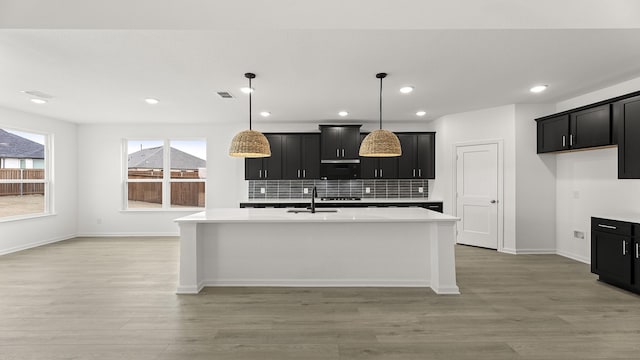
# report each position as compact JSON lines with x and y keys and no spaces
{"x":274,"y":215}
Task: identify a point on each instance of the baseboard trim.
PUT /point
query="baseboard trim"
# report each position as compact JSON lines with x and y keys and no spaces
{"x":123,"y":234}
{"x":536,"y":251}
{"x":318,"y":283}
{"x":36,"y":244}
{"x":509,"y":251}
{"x":575,"y":257}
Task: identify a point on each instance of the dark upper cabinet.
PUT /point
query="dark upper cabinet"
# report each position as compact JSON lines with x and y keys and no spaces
{"x":301,"y":156}
{"x":378,"y":168}
{"x":339,"y":142}
{"x":268,"y":168}
{"x":553,"y":134}
{"x":590,"y":127}
{"x":626,"y":118}
{"x":418,"y":156}
{"x":586,"y":128}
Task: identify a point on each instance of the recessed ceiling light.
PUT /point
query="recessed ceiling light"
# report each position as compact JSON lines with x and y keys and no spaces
{"x":265,"y":113}
{"x":37,"y":93}
{"x":539,"y":88}
{"x":343,"y":113}
{"x":39,"y":101}
{"x":406,"y":89}
{"x":247,"y":90}
{"x":421,"y":113}
{"x":151,"y":101}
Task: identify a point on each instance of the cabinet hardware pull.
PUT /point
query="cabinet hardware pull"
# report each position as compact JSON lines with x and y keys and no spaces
{"x":260,"y":175}
{"x":380,"y":172}
{"x":607,"y":226}
{"x":337,"y":152}
{"x":375,"y":173}
{"x":342,"y":152}
{"x":637,"y":251}
{"x":298,"y":173}
{"x":304,"y":173}
{"x":414,"y":172}
{"x":564,"y":141}
{"x":419,"y":172}
{"x":265,"y":174}
{"x":624,"y":247}
{"x":571,"y":140}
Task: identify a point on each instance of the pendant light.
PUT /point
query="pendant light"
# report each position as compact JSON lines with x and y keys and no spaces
{"x":250,"y":143}
{"x":380,"y":143}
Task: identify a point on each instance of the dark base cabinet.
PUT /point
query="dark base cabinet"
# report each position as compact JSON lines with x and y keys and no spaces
{"x":615,"y":252}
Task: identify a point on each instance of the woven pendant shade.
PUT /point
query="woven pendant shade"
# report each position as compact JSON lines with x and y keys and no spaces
{"x":250,"y":144}
{"x":380,"y":143}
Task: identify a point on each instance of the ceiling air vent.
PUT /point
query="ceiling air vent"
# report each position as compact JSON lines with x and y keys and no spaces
{"x":225,"y":95}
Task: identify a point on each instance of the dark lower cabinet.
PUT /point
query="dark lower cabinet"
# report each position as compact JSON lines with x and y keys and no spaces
{"x":626,"y":118}
{"x":615,"y":255}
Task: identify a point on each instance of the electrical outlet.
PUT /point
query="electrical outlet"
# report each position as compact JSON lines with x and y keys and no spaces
{"x":421,"y":190}
{"x":263,"y":190}
{"x":367,"y":190}
{"x":305,"y":190}
{"x":578,"y":234}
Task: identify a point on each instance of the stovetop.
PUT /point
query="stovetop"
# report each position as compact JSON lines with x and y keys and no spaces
{"x":342,"y":198}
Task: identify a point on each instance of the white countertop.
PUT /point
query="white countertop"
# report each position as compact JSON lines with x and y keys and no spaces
{"x":626,"y":217}
{"x":270,"y":215}
{"x":362,"y":201}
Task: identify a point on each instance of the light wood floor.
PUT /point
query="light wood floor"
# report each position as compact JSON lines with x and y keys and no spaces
{"x":114,"y":299}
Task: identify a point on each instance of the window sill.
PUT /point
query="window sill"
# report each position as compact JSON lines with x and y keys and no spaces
{"x":25,"y":217}
{"x":153,"y":210}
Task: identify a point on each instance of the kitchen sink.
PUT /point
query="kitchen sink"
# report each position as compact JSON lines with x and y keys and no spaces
{"x":296,"y":211}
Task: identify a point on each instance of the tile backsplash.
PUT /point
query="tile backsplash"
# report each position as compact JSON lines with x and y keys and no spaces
{"x":362,"y":188}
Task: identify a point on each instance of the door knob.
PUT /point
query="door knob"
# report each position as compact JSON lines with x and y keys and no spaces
{"x":493,"y":201}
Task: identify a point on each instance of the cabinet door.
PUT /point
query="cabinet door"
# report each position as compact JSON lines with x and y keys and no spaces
{"x":272,"y":166}
{"x":635,"y":253}
{"x":368,"y":168}
{"x":611,"y":257}
{"x":388,"y":168}
{"x":553,"y":134}
{"x":626,"y":117}
{"x":253,"y":169}
{"x":310,"y":156}
{"x":591,"y":127}
{"x":291,"y":156}
{"x":407,"y":161}
{"x":330,"y":145}
{"x":350,"y":142}
{"x":426,"y":156}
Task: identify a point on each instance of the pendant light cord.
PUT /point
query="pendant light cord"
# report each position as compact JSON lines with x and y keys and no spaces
{"x":250,"y":91}
{"x":380,"y":103}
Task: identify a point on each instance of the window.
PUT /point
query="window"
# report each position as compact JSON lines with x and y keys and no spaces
{"x":24,"y":178}
{"x":165,"y":174}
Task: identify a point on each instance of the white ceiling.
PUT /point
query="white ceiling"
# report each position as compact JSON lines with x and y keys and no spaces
{"x":99,"y":67}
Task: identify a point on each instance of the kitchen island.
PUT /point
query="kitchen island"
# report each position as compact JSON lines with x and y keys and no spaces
{"x":408,"y":247}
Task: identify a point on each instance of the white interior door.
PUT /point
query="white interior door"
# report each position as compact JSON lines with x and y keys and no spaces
{"x":477,"y":195}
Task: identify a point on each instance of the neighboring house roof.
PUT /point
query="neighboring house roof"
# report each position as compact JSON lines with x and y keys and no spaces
{"x":152,"y":159}
{"x":14,"y":146}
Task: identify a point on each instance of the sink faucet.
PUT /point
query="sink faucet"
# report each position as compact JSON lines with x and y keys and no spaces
{"x":314,"y":193}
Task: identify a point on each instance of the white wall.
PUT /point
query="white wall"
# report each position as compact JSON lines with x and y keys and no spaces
{"x":22,"y":234}
{"x":487,"y":124}
{"x":587,"y":183}
{"x":100,"y":182}
{"x":535,"y":185}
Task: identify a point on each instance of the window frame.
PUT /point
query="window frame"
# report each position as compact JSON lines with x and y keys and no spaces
{"x":166,"y":180}
{"x":47,"y":180}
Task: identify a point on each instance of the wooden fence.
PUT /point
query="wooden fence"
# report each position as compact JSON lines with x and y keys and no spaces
{"x":182,"y":193}
{"x":25,"y":188}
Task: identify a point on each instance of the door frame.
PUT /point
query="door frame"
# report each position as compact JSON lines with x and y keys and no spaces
{"x":500,"y":193}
